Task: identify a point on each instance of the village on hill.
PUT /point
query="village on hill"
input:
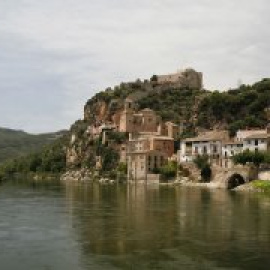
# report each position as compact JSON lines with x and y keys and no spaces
{"x":152,"y":143}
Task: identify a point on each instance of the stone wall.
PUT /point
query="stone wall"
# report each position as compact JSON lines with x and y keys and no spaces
{"x":264,"y":174}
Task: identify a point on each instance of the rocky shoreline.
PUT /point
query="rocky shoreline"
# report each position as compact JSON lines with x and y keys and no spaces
{"x":86,"y":175}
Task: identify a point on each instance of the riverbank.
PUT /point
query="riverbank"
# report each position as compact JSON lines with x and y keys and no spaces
{"x":86,"y":175}
{"x":31,"y":176}
{"x":255,"y":186}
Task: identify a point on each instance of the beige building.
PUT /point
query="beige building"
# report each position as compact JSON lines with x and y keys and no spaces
{"x":146,"y":121}
{"x":147,"y":154}
{"x":131,"y":121}
{"x":143,"y":164}
{"x":152,"y":143}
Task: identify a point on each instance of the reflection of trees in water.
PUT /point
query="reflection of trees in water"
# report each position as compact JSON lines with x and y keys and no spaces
{"x":216,"y":225}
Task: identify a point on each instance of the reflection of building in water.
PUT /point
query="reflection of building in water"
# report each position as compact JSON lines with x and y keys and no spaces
{"x":127,"y":220}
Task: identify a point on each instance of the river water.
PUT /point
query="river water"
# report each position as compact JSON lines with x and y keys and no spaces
{"x":90,"y":226}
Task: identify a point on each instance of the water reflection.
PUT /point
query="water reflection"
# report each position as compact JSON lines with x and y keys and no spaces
{"x":170,"y":227}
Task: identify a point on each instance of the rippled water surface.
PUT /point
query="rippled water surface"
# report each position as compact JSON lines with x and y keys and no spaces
{"x":84,"y":226}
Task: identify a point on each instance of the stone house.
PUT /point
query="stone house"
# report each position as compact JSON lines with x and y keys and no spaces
{"x":146,"y":121}
{"x":147,"y":154}
{"x":152,"y":142}
{"x":220,"y":148}
{"x":142,"y":164}
{"x":131,"y":120}
{"x":256,"y":142}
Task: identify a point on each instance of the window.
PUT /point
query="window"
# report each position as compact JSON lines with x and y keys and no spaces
{"x":149,"y":161}
{"x":155,"y":161}
{"x":205,"y":150}
{"x":256,"y":142}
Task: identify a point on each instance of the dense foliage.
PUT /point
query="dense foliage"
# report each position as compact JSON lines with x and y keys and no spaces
{"x":262,"y":185}
{"x":238,"y":108}
{"x":202,"y":163}
{"x":172,"y":104}
{"x":169,"y":170}
{"x":51,"y":159}
{"x":14,"y":143}
{"x":255,"y":158}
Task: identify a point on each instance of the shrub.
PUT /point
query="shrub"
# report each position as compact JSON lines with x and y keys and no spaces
{"x":201,"y":161}
{"x":169,"y":170}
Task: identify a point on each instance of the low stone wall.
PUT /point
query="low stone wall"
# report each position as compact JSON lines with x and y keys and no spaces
{"x":264,"y":174}
{"x":78,"y":175}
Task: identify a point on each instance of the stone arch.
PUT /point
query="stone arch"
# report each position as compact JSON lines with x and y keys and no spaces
{"x":235,"y":180}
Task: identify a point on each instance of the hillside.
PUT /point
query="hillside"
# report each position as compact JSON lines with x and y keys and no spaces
{"x":243,"y":107}
{"x":233,"y":109}
{"x":14,"y":143}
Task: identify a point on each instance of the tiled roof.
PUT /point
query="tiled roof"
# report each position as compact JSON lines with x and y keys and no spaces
{"x":258,"y":136}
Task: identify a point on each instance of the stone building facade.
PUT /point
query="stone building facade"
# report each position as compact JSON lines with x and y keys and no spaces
{"x":188,"y":78}
{"x":131,"y":121}
{"x":142,"y":164}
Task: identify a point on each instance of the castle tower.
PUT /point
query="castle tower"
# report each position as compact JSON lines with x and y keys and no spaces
{"x":127,"y":116}
{"x":129,"y":105}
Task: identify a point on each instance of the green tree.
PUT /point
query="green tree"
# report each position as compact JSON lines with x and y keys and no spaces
{"x":169,"y":170}
{"x":255,"y":158}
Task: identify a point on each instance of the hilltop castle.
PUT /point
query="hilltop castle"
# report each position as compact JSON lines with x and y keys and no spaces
{"x":188,"y":78}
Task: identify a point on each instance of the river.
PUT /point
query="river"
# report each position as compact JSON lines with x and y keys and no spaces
{"x":77,"y":226}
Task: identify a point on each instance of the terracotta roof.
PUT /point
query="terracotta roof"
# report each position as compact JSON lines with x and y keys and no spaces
{"x":258,"y":136}
{"x":214,"y":135}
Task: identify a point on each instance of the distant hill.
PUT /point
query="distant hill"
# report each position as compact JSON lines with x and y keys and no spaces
{"x":14,"y":143}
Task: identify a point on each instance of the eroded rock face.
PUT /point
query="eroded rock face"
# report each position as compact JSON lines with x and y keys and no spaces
{"x":96,"y":112}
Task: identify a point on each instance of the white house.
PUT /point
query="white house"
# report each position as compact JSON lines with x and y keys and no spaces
{"x":207,"y":143}
{"x":256,"y":142}
{"x":232,"y":148}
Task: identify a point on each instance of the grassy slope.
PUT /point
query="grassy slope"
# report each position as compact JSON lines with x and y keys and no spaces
{"x":14,"y":143}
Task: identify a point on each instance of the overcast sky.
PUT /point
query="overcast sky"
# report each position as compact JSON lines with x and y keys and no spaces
{"x":55,"y":54}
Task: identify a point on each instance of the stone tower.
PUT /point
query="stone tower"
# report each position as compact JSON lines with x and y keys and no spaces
{"x":126,"y":119}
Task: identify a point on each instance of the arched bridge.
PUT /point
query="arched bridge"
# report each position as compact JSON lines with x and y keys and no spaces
{"x":233,"y":177}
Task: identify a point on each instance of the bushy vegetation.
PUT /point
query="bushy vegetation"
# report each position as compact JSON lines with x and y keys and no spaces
{"x":202,"y":163}
{"x":254,"y":158}
{"x":51,"y":159}
{"x":172,"y":104}
{"x":262,"y":185}
{"x":14,"y":143}
{"x":238,"y":108}
{"x":169,"y":170}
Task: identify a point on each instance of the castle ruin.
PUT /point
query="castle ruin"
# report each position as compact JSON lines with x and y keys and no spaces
{"x":188,"y":78}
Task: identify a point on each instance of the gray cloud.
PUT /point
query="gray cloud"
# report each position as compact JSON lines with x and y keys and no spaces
{"x":55,"y":54}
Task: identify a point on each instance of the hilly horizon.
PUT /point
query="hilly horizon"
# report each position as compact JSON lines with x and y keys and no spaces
{"x":15,"y":143}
